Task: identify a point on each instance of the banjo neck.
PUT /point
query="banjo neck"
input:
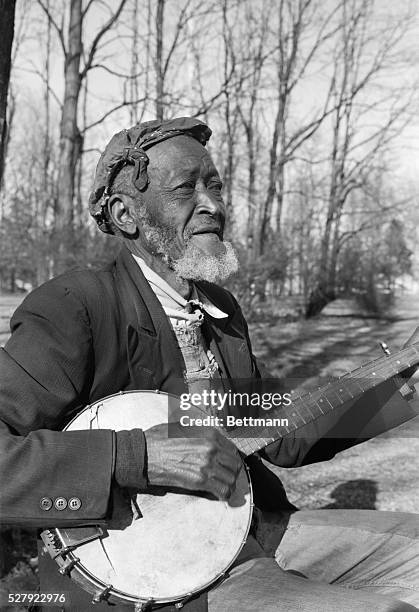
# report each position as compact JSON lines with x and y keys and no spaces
{"x":308,"y":407}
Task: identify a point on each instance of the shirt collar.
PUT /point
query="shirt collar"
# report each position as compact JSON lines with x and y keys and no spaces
{"x":171,"y":299}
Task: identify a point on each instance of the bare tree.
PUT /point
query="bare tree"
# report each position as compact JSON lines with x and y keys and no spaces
{"x":133,"y":80}
{"x":159,"y":63}
{"x":7,"y":11}
{"x":357,"y":148}
{"x":71,"y":140}
{"x":173,"y":26}
{"x":247,"y":70}
{"x":295,"y":20}
{"x":256,"y":41}
{"x":46,"y":197}
{"x":231,"y":100}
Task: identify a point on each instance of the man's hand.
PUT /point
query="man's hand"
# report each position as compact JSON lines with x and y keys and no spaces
{"x":209,"y":463}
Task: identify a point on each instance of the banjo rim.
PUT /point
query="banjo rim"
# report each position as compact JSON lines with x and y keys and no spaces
{"x":95,"y":586}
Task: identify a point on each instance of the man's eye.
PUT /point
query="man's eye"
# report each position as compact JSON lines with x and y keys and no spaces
{"x":187,"y":185}
{"x":216,"y":186}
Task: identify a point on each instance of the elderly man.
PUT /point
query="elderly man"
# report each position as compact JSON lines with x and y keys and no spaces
{"x":88,"y":334}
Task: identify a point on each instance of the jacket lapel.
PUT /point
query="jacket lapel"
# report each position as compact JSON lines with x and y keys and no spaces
{"x":154,"y":356}
{"x":153,"y":352}
{"x":229,"y":347}
{"x":228,"y":340}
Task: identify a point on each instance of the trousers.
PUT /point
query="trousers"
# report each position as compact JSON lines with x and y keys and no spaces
{"x":328,"y":560}
{"x":319,"y":561}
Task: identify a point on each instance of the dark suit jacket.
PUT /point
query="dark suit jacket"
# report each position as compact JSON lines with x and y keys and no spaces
{"x":85,"y":335}
{"x":78,"y":338}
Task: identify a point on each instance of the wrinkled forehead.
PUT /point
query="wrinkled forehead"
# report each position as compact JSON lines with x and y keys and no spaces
{"x":179,"y":157}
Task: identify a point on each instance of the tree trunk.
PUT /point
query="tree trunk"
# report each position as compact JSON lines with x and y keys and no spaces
{"x":263,"y":216}
{"x":280,"y":190}
{"x":42,"y":204}
{"x":7,"y":20}
{"x":324,"y":291}
{"x":229,"y":164}
{"x":69,"y":136}
{"x":133,"y":82}
{"x":278,"y":138}
{"x":159,"y":61}
{"x":251,"y":186}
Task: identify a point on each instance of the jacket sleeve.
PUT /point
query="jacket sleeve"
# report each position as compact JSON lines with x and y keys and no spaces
{"x":49,"y":477}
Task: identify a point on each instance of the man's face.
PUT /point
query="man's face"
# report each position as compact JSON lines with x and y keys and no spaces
{"x":183,"y":214}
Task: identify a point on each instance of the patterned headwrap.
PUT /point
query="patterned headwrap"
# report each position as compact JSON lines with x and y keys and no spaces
{"x":128,"y":147}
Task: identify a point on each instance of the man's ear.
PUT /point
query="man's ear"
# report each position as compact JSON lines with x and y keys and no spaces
{"x":120,"y":207}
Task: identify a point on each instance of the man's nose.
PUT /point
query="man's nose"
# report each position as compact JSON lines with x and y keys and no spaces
{"x":207,"y":202}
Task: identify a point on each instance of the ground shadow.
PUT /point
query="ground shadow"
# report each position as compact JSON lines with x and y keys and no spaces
{"x":360,"y":494}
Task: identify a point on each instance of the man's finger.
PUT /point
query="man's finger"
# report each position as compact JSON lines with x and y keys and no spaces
{"x":222,"y":474}
{"x":229,"y":460}
{"x":221,"y":490}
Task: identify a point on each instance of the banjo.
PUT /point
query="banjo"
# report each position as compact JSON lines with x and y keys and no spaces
{"x":176,"y":543}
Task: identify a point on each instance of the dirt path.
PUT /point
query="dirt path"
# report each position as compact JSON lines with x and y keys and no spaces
{"x":8,"y":304}
{"x":381,"y":473}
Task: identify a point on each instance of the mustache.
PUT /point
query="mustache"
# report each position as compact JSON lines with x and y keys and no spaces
{"x":205,"y":225}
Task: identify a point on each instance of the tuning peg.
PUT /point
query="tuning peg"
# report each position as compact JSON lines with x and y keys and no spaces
{"x":385,"y":348}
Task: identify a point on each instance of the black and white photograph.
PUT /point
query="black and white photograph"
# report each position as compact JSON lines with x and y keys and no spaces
{"x":209,"y":305}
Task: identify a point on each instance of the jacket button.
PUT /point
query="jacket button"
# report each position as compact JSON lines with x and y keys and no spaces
{"x":74,"y":503}
{"x":60,"y":503}
{"x":45,"y":503}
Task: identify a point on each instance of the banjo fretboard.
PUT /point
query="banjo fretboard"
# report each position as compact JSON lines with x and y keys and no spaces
{"x":310,"y":406}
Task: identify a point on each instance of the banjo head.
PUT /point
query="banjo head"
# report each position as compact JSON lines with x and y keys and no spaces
{"x":176,"y":544}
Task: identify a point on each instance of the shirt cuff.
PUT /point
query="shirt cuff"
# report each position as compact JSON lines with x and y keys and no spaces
{"x":130,"y":462}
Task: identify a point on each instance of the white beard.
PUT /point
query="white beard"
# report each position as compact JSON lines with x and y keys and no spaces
{"x":194,"y":264}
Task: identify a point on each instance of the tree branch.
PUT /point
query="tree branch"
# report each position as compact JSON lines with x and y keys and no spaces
{"x":44,"y":80}
{"x":113,"y":110}
{"x":55,"y":25}
{"x":115,"y":73}
{"x":105,"y":28}
{"x":89,"y":4}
